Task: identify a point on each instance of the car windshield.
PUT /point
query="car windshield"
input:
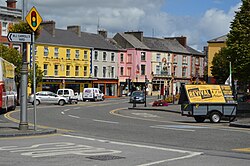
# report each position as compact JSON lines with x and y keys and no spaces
{"x":137,"y":94}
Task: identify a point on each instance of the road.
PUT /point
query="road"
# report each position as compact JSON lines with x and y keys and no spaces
{"x":108,"y":133}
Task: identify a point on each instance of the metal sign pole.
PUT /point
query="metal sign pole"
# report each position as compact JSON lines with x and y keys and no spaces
{"x":34,"y":76}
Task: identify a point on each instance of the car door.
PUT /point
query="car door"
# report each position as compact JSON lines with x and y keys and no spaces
{"x":52,"y":98}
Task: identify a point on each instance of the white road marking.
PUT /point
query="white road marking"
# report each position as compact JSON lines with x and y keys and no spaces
{"x":62,"y":113}
{"x":73,"y":116}
{"x":104,"y":121}
{"x":189,"y":153}
{"x":170,"y":128}
{"x":146,"y":115}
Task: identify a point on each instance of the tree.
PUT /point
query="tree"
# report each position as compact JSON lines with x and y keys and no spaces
{"x":39,"y":77}
{"x":237,"y":50}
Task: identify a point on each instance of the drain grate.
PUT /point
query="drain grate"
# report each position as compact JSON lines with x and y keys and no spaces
{"x":105,"y":157}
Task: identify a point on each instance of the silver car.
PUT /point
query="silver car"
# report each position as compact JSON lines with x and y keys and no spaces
{"x":48,"y":97}
{"x":137,"y":96}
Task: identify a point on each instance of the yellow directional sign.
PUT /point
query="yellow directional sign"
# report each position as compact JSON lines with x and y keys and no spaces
{"x":33,"y":18}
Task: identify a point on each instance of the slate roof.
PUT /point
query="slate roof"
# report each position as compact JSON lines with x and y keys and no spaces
{"x":169,"y":45}
{"x":131,"y":39}
{"x":194,"y":52}
{"x":220,"y":39}
{"x":69,"y":38}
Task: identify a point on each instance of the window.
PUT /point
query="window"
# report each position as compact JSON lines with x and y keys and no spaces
{"x":4,"y":28}
{"x":76,"y":70}
{"x":112,"y":57}
{"x":68,"y":54}
{"x":77,"y":54}
{"x":143,"y":67}
{"x":68,"y":70}
{"x":46,"y":51}
{"x":158,"y":58}
{"x":96,"y":55}
{"x":184,"y":60}
{"x":184,"y":72}
{"x":85,"y":55}
{"x":122,"y":71}
{"x":56,"y":52}
{"x":104,"y":56}
{"x":175,"y":58}
{"x":56,"y":70}
{"x":104,"y":72}
{"x":112,"y":71}
{"x":169,"y":57}
{"x":129,"y":71}
{"x":143,"y":56}
{"x":158,"y":69}
{"x":45,"y":69}
{"x":197,"y":61}
{"x":174,"y":73}
{"x":122,"y":57}
{"x":95,"y":71}
{"x":85,"y":69}
{"x":129,"y":60}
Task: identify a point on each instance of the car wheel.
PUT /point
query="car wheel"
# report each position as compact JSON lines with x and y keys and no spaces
{"x":61,"y":102}
{"x":215,"y":117}
{"x":37,"y":102}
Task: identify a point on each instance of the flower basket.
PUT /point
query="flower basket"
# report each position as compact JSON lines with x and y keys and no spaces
{"x":160,"y":103}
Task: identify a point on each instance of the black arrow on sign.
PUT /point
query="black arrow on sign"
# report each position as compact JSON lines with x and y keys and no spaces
{"x":9,"y":37}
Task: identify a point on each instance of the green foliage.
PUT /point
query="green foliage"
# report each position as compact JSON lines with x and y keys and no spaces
{"x":39,"y":76}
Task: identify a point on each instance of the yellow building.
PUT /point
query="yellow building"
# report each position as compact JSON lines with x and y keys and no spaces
{"x":214,"y":46}
{"x":63,"y":58}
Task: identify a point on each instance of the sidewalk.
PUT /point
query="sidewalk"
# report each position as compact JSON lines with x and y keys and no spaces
{"x":242,"y":120}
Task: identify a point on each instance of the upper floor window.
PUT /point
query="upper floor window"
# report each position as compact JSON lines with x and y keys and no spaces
{"x":104,"y":56}
{"x":184,"y":72}
{"x":85,"y":55}
{"x":175,"y":58}
{"x":112,"y":57}
{"x":197,"y":61}
{"x":56,"y":70}
{"x":96,"y":55}
{"x":76,"y":70}
{"x":143,"y":56}
{"x":68,"y":70}
{"x":4,"y":28}
{"x":169,"y":56}
{"x":77,"y":54}
{"x":85,"y":69}
{"x":56,"y":52}
{"x":95,"y":71}
{"x":46,"y":51}
{"x":122,"y":71}
{"x":112,"y":71}
{"x":45,"y":69}
{"x":158,"y":58}
{"x":143,"y":69}
{"x":122,"y":57}
{"x":129,"y":71}
{"x":104,"y":69}
{"x":68,"y":54}
{"x":158,"y":69}
{"x":184,"y":59}
{"x":129,"y":60}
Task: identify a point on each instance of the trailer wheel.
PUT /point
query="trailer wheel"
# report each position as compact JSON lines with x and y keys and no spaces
{"x":199,"y":119}
{"x":215,"y":117}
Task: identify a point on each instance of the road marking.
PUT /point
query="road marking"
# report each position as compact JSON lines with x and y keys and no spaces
{"x":244,"y":150}
{"x":73,"y":116}
{"x":104,"y":121}
{"x":170,"y":128}
{"x":146,"y":115}
{"x":190,"y":154}
{"x":58,"y":148}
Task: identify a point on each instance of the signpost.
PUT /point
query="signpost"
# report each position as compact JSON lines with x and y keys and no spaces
{"x":19,"y":37}
{"x":34,"y":20}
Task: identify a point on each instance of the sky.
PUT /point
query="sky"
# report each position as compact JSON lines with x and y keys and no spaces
{"x":198,"y":20}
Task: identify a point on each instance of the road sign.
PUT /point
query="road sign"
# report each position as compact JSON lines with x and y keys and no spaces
{"x":19,"y":37}
{"x":33,"y":18}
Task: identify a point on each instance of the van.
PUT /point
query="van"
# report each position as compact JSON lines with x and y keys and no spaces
{"x":93,"y":94}
{"x":69,"y":93}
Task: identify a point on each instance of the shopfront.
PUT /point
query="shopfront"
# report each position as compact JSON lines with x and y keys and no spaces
{"x":108,"y":87}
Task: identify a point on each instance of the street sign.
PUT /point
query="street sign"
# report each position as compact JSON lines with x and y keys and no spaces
{"x":19,"y":37}
{"x":33,"y":18}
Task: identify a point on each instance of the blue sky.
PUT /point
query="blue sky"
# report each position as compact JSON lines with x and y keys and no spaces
{"x":198,"y":20}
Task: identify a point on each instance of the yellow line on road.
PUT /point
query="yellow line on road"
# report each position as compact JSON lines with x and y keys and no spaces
{"x":244,"y":150}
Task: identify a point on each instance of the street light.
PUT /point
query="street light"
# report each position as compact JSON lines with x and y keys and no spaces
{"x":146,"y":83}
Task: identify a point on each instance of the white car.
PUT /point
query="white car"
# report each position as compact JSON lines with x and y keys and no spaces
{"x":69,"y":93}
{"x":49,"y":98}
{"x":93,"y":94}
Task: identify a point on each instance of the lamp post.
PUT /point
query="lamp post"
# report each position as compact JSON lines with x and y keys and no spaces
{"x":146,"y":83}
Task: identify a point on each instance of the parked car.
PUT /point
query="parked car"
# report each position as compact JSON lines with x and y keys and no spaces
{"x":69,"y":93}
{"x":92,"y":94}
{"x":137,"y":96}
{"x":48,"y":97}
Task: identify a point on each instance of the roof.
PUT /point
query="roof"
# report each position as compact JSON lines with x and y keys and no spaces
{"x":170,"y":45}
{"x":69,"y":38}
{"x":220,"y":39}
{"x":194,"y":52}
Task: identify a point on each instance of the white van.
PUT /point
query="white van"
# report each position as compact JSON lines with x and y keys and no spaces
{"x":92,"y":94}
{"x":68,"y":93}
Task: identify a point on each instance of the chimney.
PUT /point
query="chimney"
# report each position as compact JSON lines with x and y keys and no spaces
{"x":138,"y":35}
{"x":182,"y":40}
{"x":103,"y":33}
{"x":50,"y":27}
{"x":11,"y":4}
{"x":76,"y":29}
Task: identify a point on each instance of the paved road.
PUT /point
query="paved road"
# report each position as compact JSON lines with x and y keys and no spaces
{"x":107,"y":133}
